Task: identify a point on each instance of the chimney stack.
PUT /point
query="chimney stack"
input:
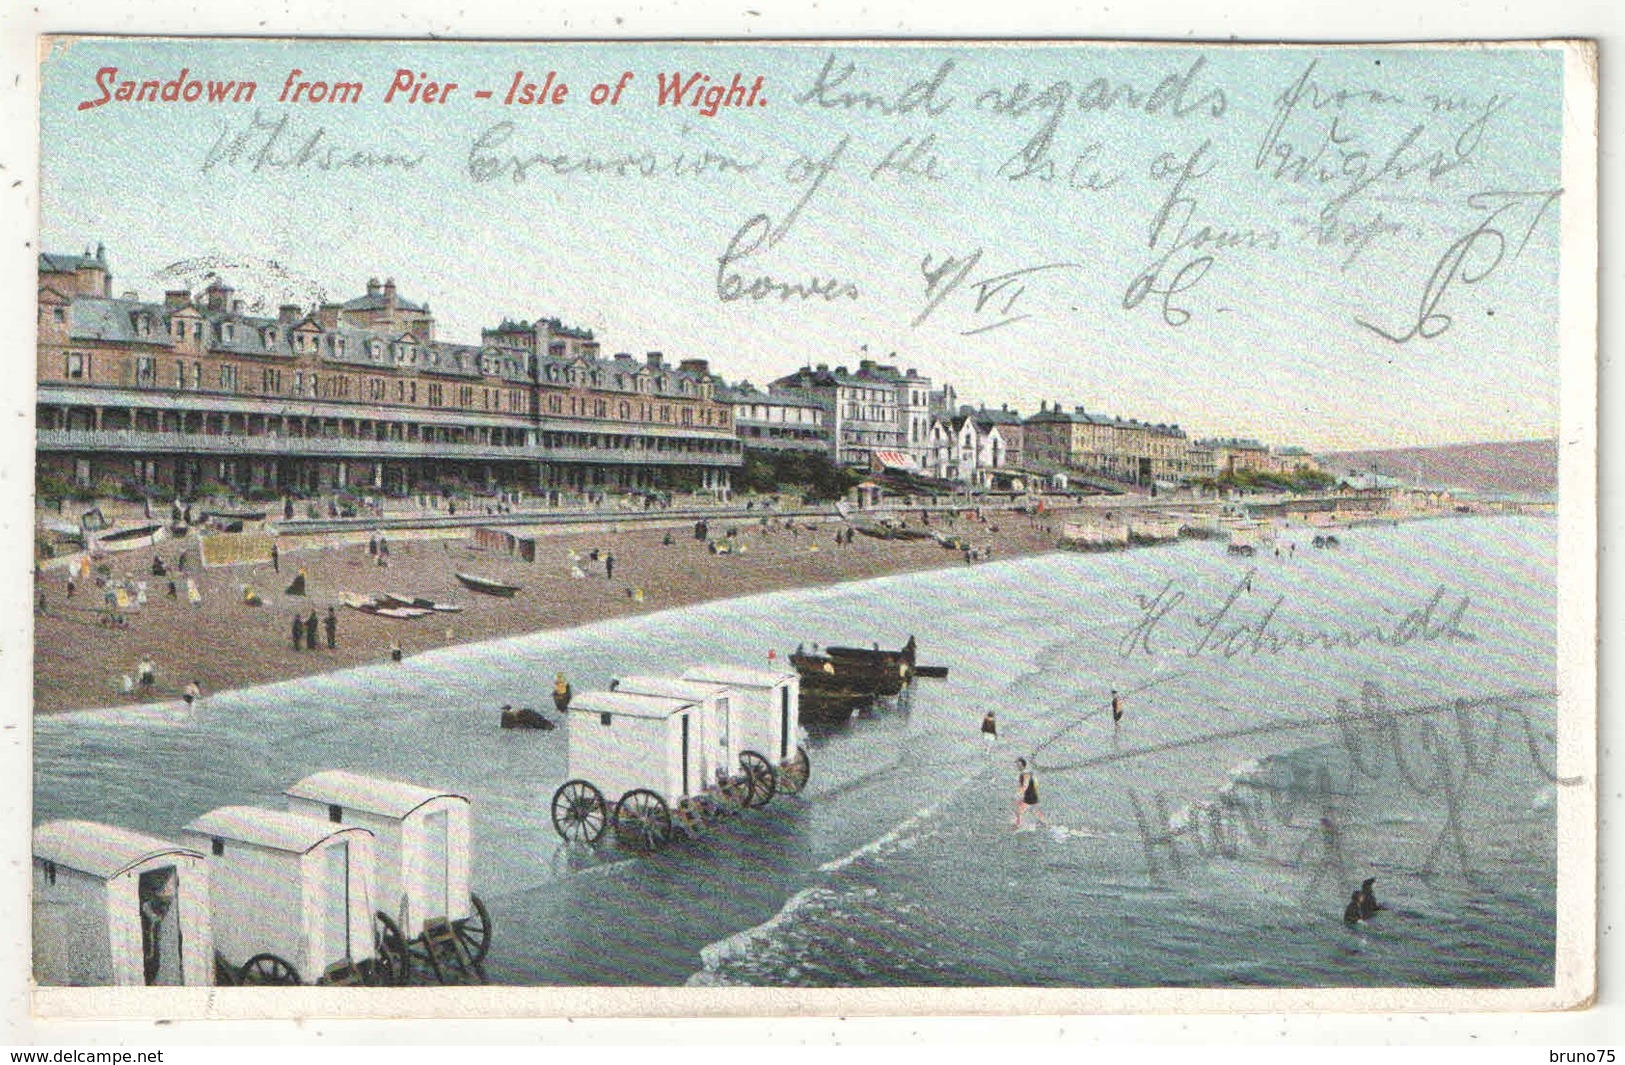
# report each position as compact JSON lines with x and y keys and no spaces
{"x":389,"y":290}
{"x":287,"y":314}
{"x":1043,"y":406}
{"x":653,"y":360}
{"x":698,"y":367}
{"x":176,"y":297}
{"x":373,"y":288}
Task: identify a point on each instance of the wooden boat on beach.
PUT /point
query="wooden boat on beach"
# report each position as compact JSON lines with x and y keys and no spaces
{"x":418,"y":602}
{"x":487,"y":586}
{"x":823,"y":673}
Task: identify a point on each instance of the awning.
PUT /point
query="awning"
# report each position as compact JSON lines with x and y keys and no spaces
{"x":896,"y":460}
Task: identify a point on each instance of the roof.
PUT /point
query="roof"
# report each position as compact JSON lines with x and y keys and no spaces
{"x":738,"y":676}
{"x":276,"y":830}
{"x":668,"y":687}
{"x":373,"y":795}
{"x":628,"y":705}
{"x":55,"y":263}
{"x":98,"y":849}
{"x":900,"y":460}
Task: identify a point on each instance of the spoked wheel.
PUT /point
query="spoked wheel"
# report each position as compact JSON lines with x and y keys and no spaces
{"x":475,"y":931}
{"x":267,"y":970}
{"x":579,"y":812}
{"x":642,"y":821}
{"x":763,"y":781}
{"x":736,"y":791}
{"x":391,"y":967}
{"x":794,"y":773}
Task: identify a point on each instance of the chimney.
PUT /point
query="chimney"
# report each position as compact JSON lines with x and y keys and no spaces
{"x":176,"y":297}
{"x":101,"y":253}
{"x":1043,"y":406}
{"x":287,"y":314}
{"x":698,"y":367}
{"x":389,"y":290}
{"x":217,"y":297}
{"x":236,"y":306}
{"x":653,"y":359}
{"x":373,"y":287}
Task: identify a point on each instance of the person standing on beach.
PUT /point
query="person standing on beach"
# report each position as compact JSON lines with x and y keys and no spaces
{"x":1117,"y":707}
{"x":194,"y":692}
{"x":276,"y":559}
{"x":1026,"y":793}
{"x":147,"y":672}
{"x":562,"y":693}
{"x":394,"y":649}
{"x":298,"y":632}
{"x":609,"y":565}
{"x":310,"y":631}
{"x":990,"y":728}
{"x":331,"y":624}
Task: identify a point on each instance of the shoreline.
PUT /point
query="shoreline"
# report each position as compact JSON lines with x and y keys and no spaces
{"x":226,"y":645}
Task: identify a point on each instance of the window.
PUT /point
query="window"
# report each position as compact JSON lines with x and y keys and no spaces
{"x":197,"y":376}
{"x":299,"y":384}
{"x":400,"y":391}
{"x":553,"y":404}
{"x":228,"y":332}
{"x":270,"y":338}
{"x":271,"y":382}
{"x":180,"y":373}
{"x":59,"y":313}
{"x":434,"y":395}
{"x":146,"y":371}
{"x":76,"y":366}
{"x":217,"y":846}
{"x":228,"y":378}
{"x":143,"y":325}
{"x":599,"y":408}
{"x":314,"y":386}
{"x":465,"y":396}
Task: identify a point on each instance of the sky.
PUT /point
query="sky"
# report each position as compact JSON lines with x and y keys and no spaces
{"x":1330,"y":248}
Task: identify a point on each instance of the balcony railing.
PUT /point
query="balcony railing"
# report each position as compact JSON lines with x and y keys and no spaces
{"x":145,"y":442}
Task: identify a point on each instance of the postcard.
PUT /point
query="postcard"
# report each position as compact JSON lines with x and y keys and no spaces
{"x":657,"y":528}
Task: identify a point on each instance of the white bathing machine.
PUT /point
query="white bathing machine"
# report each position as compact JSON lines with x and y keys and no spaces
{"x":118,"y":908}
{"x":634,"y":761}
{"x":292,"y":898}
{"x":718,"y":739}
{"x":766,"y":706}
{"x":422,"y":847}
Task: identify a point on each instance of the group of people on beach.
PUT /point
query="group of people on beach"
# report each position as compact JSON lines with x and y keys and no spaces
{"x":305,"y":631}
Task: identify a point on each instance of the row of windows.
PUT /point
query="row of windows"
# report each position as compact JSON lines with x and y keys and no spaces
{"x":224,"y":377}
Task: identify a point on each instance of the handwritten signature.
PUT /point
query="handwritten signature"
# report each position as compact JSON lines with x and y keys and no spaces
{"x":1473,"y":257}
{"x":1227,"y":632}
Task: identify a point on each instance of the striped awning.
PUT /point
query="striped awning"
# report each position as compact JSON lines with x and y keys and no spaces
{"x":895,"y":460}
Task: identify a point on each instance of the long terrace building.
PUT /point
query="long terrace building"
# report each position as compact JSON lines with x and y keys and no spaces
{"x":353,"y":396}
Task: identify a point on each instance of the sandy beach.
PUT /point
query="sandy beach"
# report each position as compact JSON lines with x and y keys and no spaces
{"x":224,"y":644}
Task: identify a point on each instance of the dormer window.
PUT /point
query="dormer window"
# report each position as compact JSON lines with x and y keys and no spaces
{"x":270,"y":338}
{"x":228,"y":332}
{"x":336,"y":344}
{"x":143,"y":325}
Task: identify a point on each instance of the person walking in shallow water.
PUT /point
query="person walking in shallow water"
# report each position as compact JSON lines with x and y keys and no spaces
{"x":990,"y":728}
{"x":1117,"y":708}
{"x":1352,"y":914}
{"x":1026,"y":793}
{"x":1368,"y":898}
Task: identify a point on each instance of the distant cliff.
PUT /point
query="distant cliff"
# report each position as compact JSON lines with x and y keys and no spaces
{"x":1517,"y":467}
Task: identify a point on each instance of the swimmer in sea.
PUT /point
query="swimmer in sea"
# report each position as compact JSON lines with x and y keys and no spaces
{"x":1368,"y":899}
{"x":1352,"y":913}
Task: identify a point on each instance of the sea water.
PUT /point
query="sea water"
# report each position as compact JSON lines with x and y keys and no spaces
{"x":1382,"y":709}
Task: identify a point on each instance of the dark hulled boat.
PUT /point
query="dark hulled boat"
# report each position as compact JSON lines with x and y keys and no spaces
{"x":487,"y":586}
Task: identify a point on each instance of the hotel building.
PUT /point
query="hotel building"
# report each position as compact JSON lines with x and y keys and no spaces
{"x":358,"y":396}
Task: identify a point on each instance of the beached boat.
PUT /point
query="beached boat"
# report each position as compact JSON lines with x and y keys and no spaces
{"x":131,"y":539}
{"x":487,"y":586}
{"x":418,"y":602}
{"x":821,"y":673}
